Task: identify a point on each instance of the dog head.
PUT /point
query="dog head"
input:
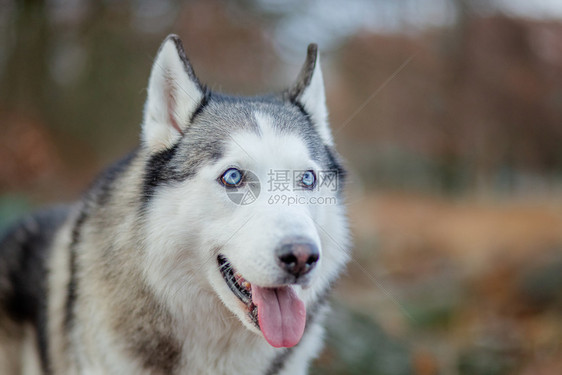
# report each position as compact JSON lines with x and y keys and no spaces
{"x":245,"y":191}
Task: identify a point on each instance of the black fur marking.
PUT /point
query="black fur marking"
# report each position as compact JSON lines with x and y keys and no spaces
{"x":99,"y":193}
{"x":334,"y":164}
{"x":183,"y":57}
{"x":159,"y":353}
{"x":102,"y":189}
{"x":177,"y":164}
{"x":279,"y":361}
{"x":202,"y":104}
{"x":73,"y":281}
{"x":24,"y":251}
{"x":302,"y":110}
{"x":156,"y":172}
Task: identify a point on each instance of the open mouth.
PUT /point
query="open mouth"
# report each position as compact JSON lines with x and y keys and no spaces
{"x":239,"y":286}
{"x":277,"y":311}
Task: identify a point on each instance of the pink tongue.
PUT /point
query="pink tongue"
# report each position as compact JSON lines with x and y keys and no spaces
{"x":281,"y":315}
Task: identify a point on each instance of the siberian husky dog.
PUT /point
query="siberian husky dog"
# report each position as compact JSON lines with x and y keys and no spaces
{"x":210,"y":249}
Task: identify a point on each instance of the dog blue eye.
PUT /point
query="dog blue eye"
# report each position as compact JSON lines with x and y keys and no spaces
{"x":308,"y":179}
{"x":231,"y":177}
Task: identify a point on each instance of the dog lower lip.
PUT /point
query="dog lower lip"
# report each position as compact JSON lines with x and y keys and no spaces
{"x":238,"y":286}
{"x":243,"y":292}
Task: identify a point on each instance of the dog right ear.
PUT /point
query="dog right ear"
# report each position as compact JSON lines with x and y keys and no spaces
{"x":174,"y":94}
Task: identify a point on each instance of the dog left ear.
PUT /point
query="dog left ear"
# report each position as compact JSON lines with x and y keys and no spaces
{"x":174,"y":94}
{"x":309,"y":92}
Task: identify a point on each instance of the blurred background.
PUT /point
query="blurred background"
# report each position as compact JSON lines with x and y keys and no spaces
{"x":448,"y":113}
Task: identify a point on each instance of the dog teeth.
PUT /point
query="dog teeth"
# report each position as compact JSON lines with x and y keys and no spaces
{"x":242,"y":281}
{"x":239,"y":279}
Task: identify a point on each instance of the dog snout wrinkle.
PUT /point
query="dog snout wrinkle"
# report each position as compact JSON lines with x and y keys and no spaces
{"x":297,"y":256}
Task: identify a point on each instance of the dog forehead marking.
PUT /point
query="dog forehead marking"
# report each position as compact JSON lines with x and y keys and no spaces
{"x":276,"y":144}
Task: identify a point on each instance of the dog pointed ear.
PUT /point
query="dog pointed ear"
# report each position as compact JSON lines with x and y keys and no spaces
{"x":174,"y":94}
{"x":309,"y":92}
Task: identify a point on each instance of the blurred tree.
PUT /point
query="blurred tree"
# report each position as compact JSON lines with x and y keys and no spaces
{"x":25,"y":84}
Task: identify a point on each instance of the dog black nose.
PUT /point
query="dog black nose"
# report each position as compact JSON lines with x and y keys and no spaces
{"x":297,"y":257}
